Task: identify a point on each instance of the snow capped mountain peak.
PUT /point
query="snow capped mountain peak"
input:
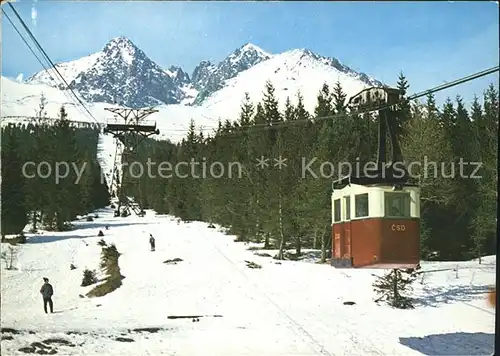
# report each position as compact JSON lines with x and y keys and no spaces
{"x":303,"y":56}
{"x":208,"y":78}
{"x":117,"y":48}
{"x":122,"y":47}
{"x":68,"y":70}
{"x":248,"y":53}
{"x":250,"y":47}
{"x":303,"y":51}
{"x":121,"y":41}
{"x":178,"y":75}
{"x":121,"y":73}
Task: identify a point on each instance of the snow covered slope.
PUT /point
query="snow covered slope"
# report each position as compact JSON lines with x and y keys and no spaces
{"x":69,"y":70}
{"x":107,"y":152}
{"x":288,"y":72}
{"x":290,"y":308}
{"x":21,"y":101}
{"x":122,"y":73}
{"x":207,"y":78}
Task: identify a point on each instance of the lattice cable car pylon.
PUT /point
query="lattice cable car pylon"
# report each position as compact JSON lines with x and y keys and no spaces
{"x":129,"y":132}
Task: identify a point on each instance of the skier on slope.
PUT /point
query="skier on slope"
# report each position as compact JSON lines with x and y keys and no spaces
{"x":47,"y":291}
{"x":152,"y":242}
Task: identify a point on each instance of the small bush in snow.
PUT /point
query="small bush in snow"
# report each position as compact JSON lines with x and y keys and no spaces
{"x":251,"y":264}
{"x":102,"y":243}
{"x":109,"y":265}
{"x":72,"y":267}
{"x":89,"y":278}
{"x":393,"y":286}
{"x":9,"y":257}
{"x":67,"y":226}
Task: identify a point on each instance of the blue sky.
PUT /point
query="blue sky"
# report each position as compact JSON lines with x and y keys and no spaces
{"x":431,"y":42}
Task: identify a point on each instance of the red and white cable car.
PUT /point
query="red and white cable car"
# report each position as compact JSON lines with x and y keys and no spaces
{"x":376,"y":217}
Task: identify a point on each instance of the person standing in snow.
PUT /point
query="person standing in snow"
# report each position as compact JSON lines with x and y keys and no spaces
{"x":152,"y":242}
{"x":47,"y":291}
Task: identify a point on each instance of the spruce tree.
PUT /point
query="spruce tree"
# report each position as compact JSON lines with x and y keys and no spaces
{"x":261,"y":145}
{"x":393,"y":286}
{"x":324,"y":106}
{"x":404,"y":110}
{"x":14,"y":212}
{"x":66,"y":199}
{"x":339,"y":98}
{"x":485,"y":124}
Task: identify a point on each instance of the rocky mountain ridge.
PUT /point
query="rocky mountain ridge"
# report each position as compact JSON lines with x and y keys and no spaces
{"x":121,"y":73}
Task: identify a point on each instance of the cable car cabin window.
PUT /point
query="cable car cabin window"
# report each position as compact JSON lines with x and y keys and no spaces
{"x":336,"y":210}
{"x":347,"y":201}
{"x":361,"y":205}
{"x":397,"y":205}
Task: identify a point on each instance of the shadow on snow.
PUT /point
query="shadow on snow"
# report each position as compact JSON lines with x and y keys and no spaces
{"x":102,"y":225}
{"x":459,"y":343}
{"x":435,"y":296}
{"x":48,"y":237}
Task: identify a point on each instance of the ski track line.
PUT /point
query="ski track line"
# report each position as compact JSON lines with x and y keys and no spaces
{"x":322,"y":350}
{"x":372,"y":350}
{"x":479,"y":308}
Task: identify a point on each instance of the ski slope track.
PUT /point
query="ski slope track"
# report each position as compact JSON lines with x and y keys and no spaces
{"x":106,"y":157}
{"x":283,"y":308}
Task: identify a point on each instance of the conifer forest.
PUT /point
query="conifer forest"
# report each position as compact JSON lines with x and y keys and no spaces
{"x":280,"y":208}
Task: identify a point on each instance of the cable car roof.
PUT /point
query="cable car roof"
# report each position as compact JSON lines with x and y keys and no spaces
{"x":389,"y":179}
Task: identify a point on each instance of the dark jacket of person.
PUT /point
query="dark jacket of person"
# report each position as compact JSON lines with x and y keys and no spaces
{"x":47,"y":291}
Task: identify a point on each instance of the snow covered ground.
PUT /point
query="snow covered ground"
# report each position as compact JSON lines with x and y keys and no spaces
{"x":20,"y":100}
{"x":283,"y":308}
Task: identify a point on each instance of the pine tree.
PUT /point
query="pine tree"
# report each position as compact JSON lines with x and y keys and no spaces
{"x":271,"y":111}
{"x":41,"y":113}
{"x":66,"y":200}
{"x":486,"y":133}
{"x":324,"y":106}
{"x":339,"y":99}
{"x":240,"y":189}
{"x":289,"y":114}
{"x":37,"y":189}
{"x":274,"y":150}
{"x":209,"y":187}
{"x":404,"y":112}
{"x":393,"y":286}
{"x":190,"y":179}
{"x":429,"y":154}
{"x":45,"y":199}
{"x":14,"y":213}
{"x":261,"y":144}
{"x":99,"y":190}
{"x":247,"y":111}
